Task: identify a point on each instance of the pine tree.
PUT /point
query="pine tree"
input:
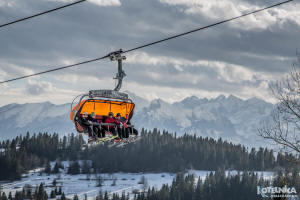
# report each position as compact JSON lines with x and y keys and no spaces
{"x":63,"y":197}
{"x":114,"y":183}
{"x":41,"y":195}
{"x":86,"y":167}
{"x":55,"y":169}
{"x":54,"y":183}
{"x":10,"y":196}
{"x":48,"y":168}
{"x":99,"y":180}
{"x":3,"y":197}
{"x":106,"y":196}
{"x":60,"y":191}
{"x":74,"y":168}
{"x":53,"y":194}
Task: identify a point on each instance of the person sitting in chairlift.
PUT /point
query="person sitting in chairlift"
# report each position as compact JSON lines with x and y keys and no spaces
{"x":129,"y":129}
{"x":96,"y":127}
{"x":123,"y":126}
{"x":111,"y":120}
{"x":86,"y":124}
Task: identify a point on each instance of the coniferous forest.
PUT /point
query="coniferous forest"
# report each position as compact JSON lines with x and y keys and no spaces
{"x":160,"y":152}
{"x":215,"y":186}
{"x":155,"y":152}
{"x":25,"y":153}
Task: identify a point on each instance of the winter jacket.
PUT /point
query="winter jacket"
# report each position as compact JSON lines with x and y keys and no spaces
{"x":112,"y":120}
{"x":122,"y":121}
{"x":93,"y":119}
{"x":84,"y":121}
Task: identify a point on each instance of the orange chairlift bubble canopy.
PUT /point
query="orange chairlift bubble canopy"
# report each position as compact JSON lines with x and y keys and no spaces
{"x":103,"y":107}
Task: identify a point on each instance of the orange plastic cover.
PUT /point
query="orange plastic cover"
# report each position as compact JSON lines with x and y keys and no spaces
{"x":103,"y":107}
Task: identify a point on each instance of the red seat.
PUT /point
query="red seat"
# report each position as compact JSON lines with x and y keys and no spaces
{"x":99,"y":117}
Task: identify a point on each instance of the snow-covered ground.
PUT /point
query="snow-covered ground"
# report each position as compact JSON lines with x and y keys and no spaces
{"x":80,"y":185}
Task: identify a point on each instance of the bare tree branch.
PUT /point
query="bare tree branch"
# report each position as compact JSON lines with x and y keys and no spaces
{"x":284,"y":128}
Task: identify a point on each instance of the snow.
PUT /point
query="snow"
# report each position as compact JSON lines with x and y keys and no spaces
{"x":229,"y":117}
{"x":35,"y":118}
{"x":80,"y":185}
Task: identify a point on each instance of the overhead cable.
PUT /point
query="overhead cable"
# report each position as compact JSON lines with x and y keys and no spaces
{"x":152,"y":43}
{"x":41,"y":13}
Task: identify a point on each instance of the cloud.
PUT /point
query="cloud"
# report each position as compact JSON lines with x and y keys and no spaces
{"x":12,"y":70}
{"x":106,"y":2}
{"x":238,"y":58}
{"x":171,"y":94}
{"x":96,"y":2}
{"x":226,"y":71}
{"x":2,"y":74}
{"x":36,"y":91}
{"x":224,"y":9}
{"x":38,"y":87}
{"x":214,"y":9}
{"x":6,"y":3}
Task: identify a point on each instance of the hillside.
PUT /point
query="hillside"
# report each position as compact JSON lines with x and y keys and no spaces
{"x":228,"y":117}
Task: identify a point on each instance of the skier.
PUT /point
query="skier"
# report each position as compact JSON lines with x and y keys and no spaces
{"x":96,"y":128}
{"x":86,"y":124}
{"x":111,"y":120}
{"x":129,"y":129}
{"x":123,"y":126}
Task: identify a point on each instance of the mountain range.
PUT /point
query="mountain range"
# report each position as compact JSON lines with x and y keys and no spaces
{"x":230,"y":118}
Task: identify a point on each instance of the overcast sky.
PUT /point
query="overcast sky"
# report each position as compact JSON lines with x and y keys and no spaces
{"x":239,"y":58}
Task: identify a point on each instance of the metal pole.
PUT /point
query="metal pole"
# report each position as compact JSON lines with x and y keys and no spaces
{"x":120,"y":74}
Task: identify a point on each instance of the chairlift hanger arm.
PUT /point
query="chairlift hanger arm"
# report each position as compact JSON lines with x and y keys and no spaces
{"x":117,"y":56}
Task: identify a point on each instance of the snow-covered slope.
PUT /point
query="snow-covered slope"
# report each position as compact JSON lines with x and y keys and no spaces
{"x":227,"y":117}
{"x":16,"y":119}
{"x":140,"y":102}
{"x":230,"y":118}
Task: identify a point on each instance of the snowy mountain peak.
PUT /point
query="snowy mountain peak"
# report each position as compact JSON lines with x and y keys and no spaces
{"x":255,"y":100}
{"x":231,"y":118}
{"x":220,"y":98}
{"x":17,"y":119}
{"x":190,"y":100}
{"x":156,"y":104}
{"x":233,"y":98}
{"x":140,"y":102}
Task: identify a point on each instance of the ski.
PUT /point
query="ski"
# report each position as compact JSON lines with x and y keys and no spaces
{"x":102,"y":140}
